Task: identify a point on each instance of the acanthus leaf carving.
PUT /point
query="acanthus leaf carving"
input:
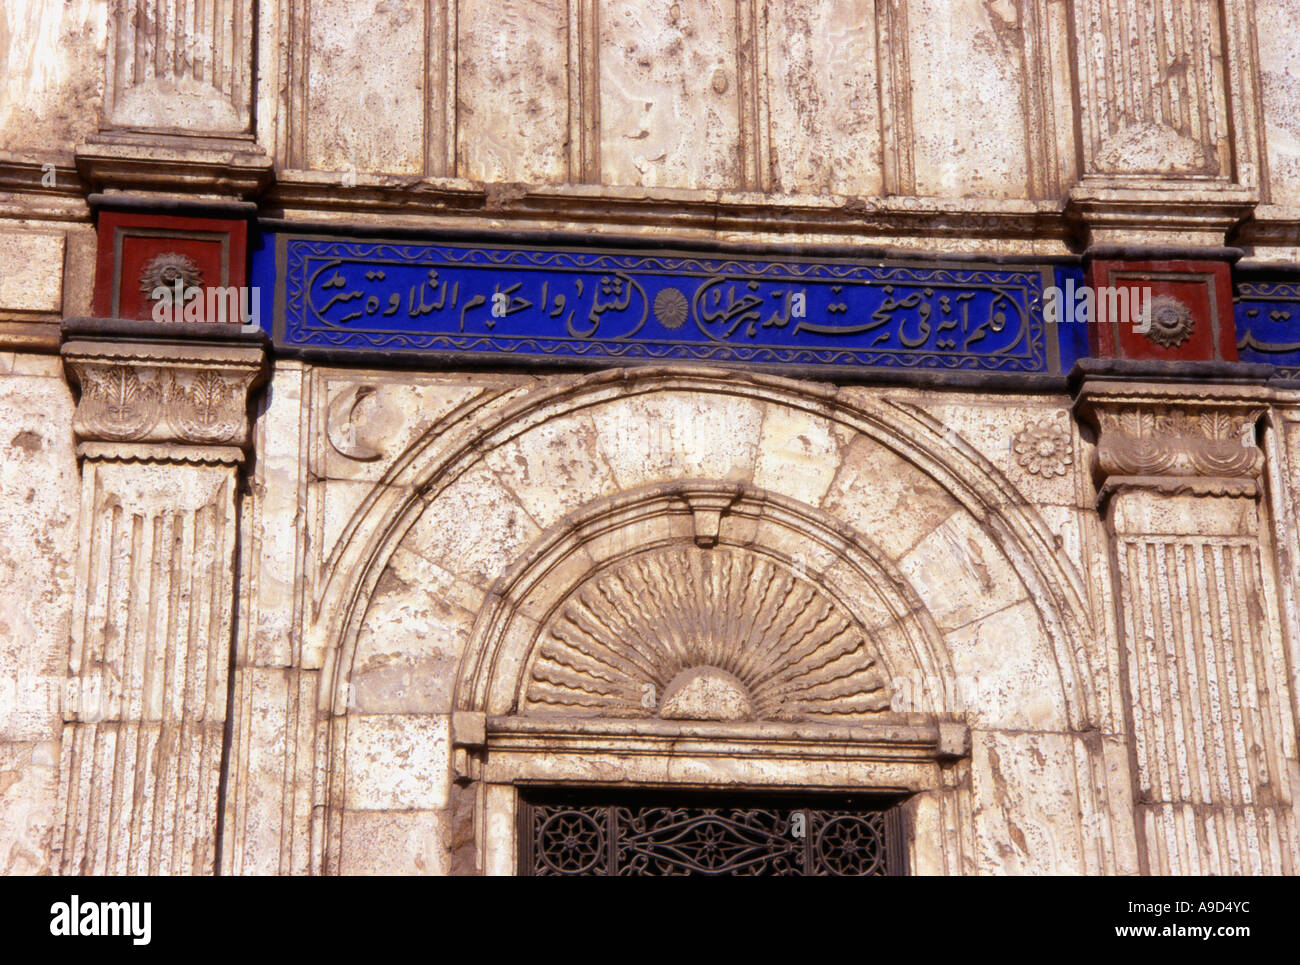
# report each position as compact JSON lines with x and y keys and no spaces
{"x":1170,"y":435}
{"x":209,"y":410}
{"x":162,"y":395}
{"x":1183,"y":442}
{"x":116,"y":404}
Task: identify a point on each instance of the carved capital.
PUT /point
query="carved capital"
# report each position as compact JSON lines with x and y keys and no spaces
{"x":1176,"y":438}
{"x":181,"y":401}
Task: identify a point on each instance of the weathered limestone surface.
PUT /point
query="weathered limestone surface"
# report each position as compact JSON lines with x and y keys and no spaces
{"x":670,"y":97}
{"x":815,"y":98}
{"x":511,"y":91}
{"x":31,"y":271}
{"x":38,"y":517}
{"x":1069,"y":632}
{"x":825,"y":109}
{"x":965,"y":54}
{"x":348,"y":40}
{"x":1279,"y":68}
{"x":52,"y":72}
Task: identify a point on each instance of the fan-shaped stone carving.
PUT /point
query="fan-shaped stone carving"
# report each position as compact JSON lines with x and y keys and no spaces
{"x":689,"y":633}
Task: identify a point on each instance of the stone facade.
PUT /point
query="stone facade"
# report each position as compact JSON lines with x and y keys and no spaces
{"x":269,"y":608}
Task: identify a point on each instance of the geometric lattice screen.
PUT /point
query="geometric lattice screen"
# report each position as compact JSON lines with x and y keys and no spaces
{"x":697,"y":833}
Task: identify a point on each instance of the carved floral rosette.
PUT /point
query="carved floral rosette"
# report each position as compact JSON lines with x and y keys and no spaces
{"x":191,"y":400}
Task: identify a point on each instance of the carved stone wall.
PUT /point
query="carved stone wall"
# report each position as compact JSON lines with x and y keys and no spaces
{"x":161,"y":430}
{"x":53,"y":75}
{"x":800,"y":98}
{"x":335,"y":632}
{"x":957,"y":126}
{"x":427,"y":498}
{"x":888,"y":561}
{"x":1208,"y":683}
{"x":180,"y":65}
{"x":1155,"y":88}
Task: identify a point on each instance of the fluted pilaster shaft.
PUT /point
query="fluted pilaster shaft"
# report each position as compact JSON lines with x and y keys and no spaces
{"x":1205,"y":678}
{"x":161,"y":430}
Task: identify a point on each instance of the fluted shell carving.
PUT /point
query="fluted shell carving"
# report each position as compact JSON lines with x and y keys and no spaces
{"x":704,"y":634}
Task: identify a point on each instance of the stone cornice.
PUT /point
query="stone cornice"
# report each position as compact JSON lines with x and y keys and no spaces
{"x":28,"y":192}
{"x":220,"y":168}
{"x":163,"y":400}
{"x":1159,"y":212}
{"x":307,"y":198}
{"x":162,"y":170}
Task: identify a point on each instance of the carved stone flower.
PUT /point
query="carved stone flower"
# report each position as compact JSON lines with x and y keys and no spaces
{"x":1171,"y":322}
{"x":1043,"y":449}
{"x":163,"y":271}
{"x":671,"y":308}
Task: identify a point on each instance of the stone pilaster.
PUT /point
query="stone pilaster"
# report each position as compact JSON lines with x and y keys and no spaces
{"x":1207,"y":696}
{"x":161,"y":429}
{"x":1170,"y":133}
{"x":178,"y":120}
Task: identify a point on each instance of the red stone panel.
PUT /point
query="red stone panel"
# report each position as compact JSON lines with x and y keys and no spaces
{"x":138,"y":251}
{"x":1190,"y":315}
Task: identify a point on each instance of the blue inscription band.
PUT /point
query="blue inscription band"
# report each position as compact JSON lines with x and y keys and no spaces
{"x":1268,"y":325}
{"x":611,"y":307}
